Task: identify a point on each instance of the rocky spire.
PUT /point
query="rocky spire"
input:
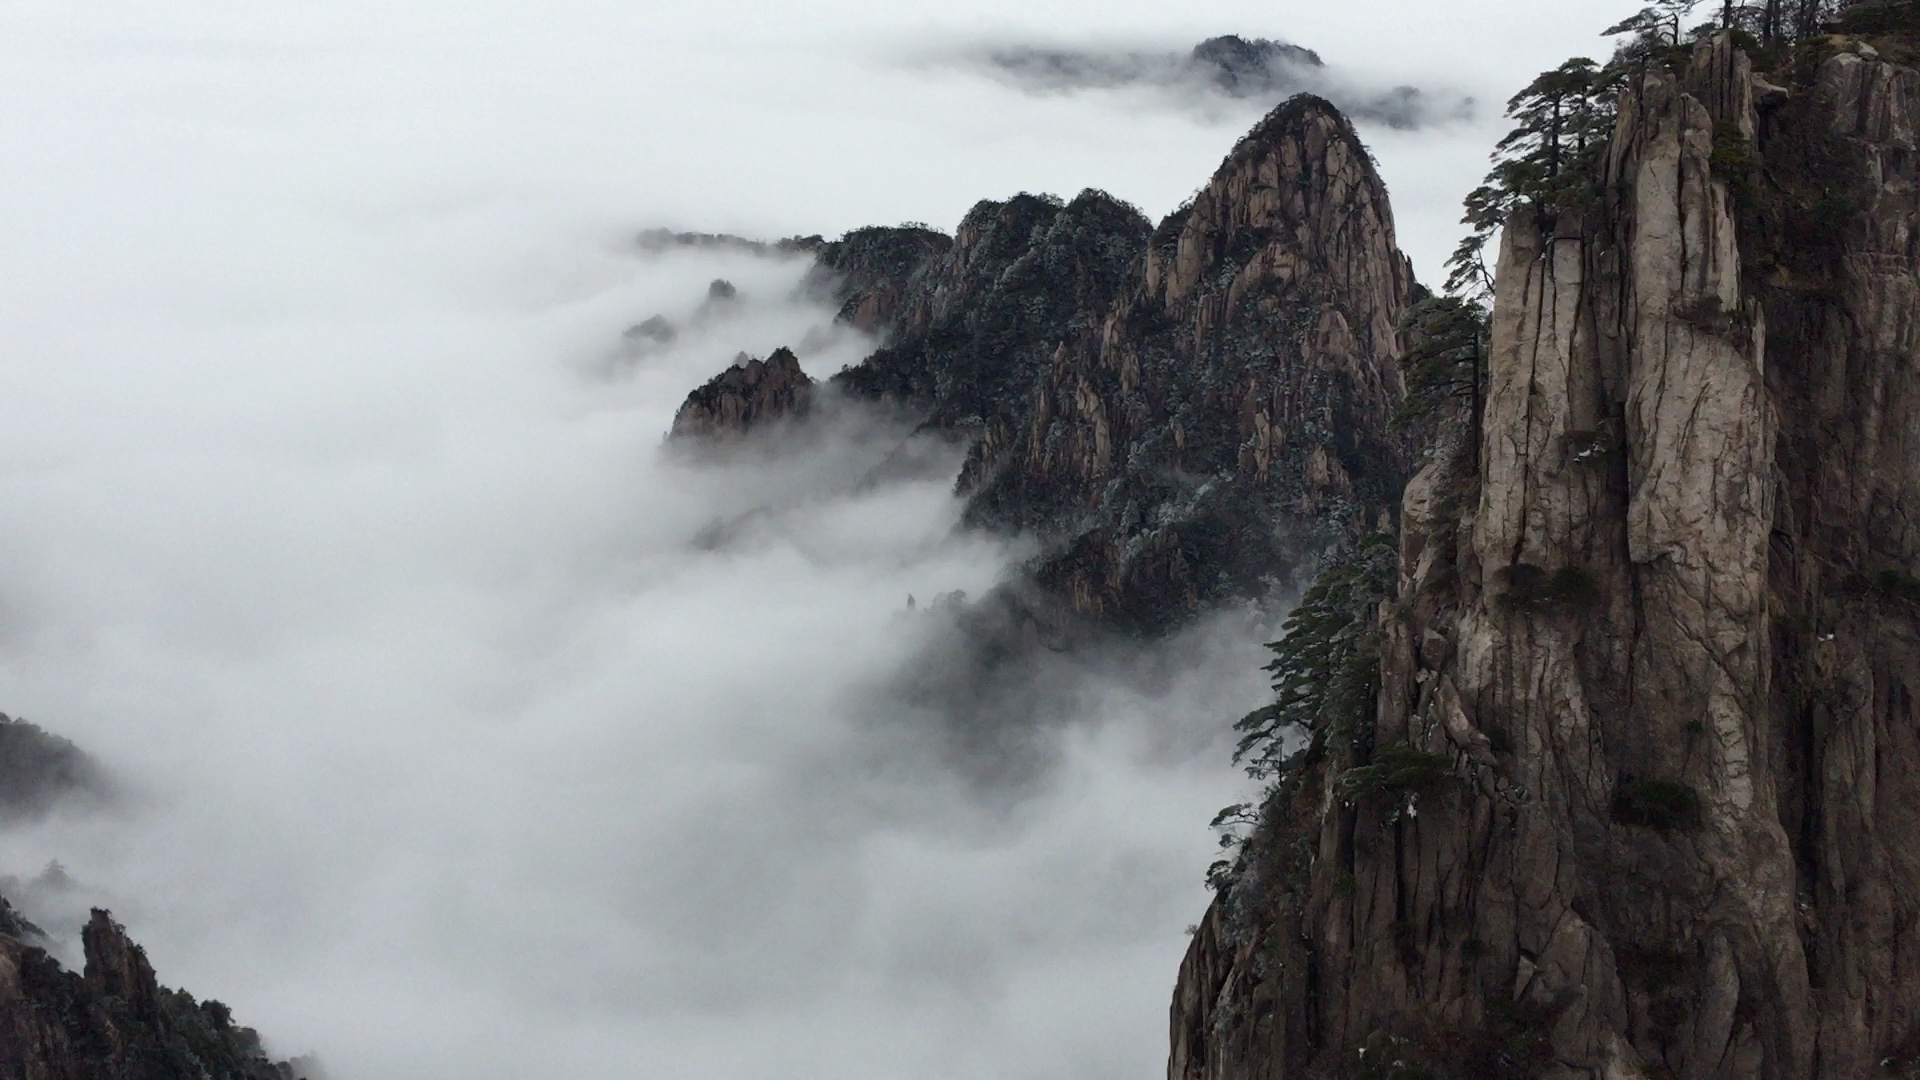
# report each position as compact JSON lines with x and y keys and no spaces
{"x":751,"y":394}
{"x":1655,"y":634}
{"x":116,"y":1020}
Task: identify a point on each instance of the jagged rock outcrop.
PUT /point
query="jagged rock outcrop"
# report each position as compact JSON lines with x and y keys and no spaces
{"x":15,"y":925}
{"x":1657,"y":633}
{"x":1185,"y":414}
{"x":1229,"y":416}
{"x":115,"y":1021}
{"x":751,"y":394}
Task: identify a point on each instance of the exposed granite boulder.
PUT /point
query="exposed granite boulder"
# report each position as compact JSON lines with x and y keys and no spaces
{"x":750,"y":395}
{"x":115,"y":1021}
{"x":1660,"y":628}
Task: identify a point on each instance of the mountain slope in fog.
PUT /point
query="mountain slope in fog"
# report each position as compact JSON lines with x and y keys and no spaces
{"x":1185,"y":414}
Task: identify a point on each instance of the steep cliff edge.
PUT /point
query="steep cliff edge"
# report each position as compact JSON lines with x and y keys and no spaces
{"x":1639,"y":794}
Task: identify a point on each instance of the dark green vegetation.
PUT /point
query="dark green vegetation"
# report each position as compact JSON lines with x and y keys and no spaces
{"x":1657,"y":804}
{"x":1022,"y":276}
{"x":1397,"y":772}
{"x":1549,"y":161}
{"x":1443,"y":360}
{"x":1325,"y":673}
{"x":38,"y":769}
{"x":1325,"y":666}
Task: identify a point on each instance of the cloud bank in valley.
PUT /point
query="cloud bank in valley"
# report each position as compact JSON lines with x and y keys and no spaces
{"x":1225,"y":68}
{"x":450,"y":736}
{"x":461,"y":730}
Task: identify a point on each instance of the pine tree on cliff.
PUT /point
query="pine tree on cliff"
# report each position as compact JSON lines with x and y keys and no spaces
{"x":1548,"y":160}
{"x":1660,"y":19}
{"x":1325,"y":674}
{"x":1444,"y":361}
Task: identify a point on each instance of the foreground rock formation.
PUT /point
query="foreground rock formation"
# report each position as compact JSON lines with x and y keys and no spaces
{"x":115,"y":1021}
{"x":1648,"y":682}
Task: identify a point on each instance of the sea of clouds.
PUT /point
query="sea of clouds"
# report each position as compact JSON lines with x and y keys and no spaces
{"x":338,"y":527}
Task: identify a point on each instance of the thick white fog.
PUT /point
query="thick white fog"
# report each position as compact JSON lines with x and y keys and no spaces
{"x":338,"y":527}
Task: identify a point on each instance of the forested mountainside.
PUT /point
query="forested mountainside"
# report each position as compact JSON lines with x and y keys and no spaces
{"x":1614,"y":770}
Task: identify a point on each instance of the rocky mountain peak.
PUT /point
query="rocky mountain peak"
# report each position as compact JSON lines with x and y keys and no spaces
{"x":1227,"y":417}
{"x":751,"y":394}
{"x":1298,"y":197}
{"x":1243,"y":67}
{"x":1185,"y":414}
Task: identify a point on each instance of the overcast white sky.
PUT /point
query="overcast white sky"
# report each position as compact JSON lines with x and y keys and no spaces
{"x":329,"y":529}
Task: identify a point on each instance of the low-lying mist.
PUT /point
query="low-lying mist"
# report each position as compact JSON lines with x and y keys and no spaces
{"x":461,"y":730}
{"x":456,"y":729}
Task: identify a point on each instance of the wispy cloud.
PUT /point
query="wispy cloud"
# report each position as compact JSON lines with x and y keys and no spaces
{"x":1229,"y":67}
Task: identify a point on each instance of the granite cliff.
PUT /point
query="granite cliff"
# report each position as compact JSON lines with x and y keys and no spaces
{"x":1637,"y":794}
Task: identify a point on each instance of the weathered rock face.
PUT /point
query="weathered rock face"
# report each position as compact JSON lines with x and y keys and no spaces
{"x":1228,"y":416}
{"x":115,"y":1021}
{"x":1659,"y":627}
{"x":749,"y":395}
{"x":1184,"y":414}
